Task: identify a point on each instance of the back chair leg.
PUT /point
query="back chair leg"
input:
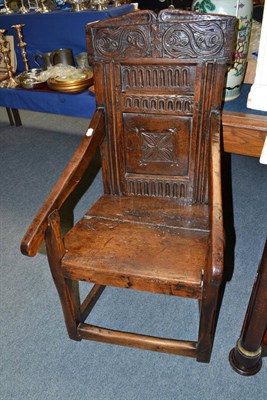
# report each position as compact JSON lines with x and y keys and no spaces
{"x":68,"y":290}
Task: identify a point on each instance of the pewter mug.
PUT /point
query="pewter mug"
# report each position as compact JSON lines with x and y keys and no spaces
{"x":82,"y":60}
{"x":62,"y":56}
{"x":45,"y":60}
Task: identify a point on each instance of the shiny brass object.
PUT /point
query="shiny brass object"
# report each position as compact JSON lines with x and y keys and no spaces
{"x":23,"y":9}
{"x":7,"y":8}
{"x":78,"y":5}
{"x":22,"y":44}
{"x":247,"y":353}
{"x":44,"y":9}
{"x":70,"y":85}
{"x":100,"y":5}
{"x":38,"y":8}
{"x":10,"y":82}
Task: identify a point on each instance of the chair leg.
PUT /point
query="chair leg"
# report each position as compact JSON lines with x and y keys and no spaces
{"x":207,"y":325}
{"x":67,"y":289}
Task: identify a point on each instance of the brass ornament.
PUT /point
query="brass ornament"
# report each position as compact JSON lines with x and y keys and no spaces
{"x":10,"y":82}
{"x":22,"y":44}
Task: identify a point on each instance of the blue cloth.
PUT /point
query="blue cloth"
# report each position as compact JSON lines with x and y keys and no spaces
{"x":58,"y":29}
{"x":77,"y":105}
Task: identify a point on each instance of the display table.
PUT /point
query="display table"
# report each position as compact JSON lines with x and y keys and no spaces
{"x":44,"y":33}
{"x":58,"y":29}
{"x":76,"y":105}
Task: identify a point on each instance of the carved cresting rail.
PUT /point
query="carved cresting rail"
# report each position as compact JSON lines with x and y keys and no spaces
{"x":160,"y":73}
{"x":199,"y":38}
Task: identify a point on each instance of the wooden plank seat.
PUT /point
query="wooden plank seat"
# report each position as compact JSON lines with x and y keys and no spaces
{"x":126,"y":241}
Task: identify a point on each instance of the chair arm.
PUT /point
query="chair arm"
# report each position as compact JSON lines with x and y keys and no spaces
{"x":66,"y":184}
{"x":216,"y":216}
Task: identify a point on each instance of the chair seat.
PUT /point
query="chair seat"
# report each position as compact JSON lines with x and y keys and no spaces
{"x":163,"y":246}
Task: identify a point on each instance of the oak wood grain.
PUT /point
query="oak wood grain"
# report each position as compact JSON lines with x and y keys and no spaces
{"x":244,"y":133}
{"x":179,"y":347}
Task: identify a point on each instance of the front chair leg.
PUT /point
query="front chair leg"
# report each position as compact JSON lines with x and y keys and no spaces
{"x":67,"y":289}
{"x":207,"y":326}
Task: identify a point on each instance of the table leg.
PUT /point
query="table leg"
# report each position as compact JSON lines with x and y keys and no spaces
{"x":13,"y":116}
{"x":246,"y":357}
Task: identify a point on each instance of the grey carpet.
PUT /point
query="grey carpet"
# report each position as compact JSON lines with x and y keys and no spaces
{"x":38,"y":361}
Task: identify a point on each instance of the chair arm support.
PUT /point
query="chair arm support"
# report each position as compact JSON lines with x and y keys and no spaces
{"x":216,"y":216}
{"x":66,"y":184}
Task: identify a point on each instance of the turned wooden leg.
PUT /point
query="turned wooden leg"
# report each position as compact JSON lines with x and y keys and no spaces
{"x":246,"y":357}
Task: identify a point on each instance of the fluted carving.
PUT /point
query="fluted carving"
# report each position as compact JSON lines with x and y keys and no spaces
{"x":151,"y":76}
{"x":150,"y":187}
{"x":174,"y":105}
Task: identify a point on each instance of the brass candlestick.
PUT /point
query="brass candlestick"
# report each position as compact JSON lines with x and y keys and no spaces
{"x":22,"y":44}
{"x":5,"y":50}
{"x":8,"y":10}
{"x":23,"y":9}
{"x":44,"y":8}
{"x":38,"y":9}
{"x":100,"y":5}
{"x":77,"y":5}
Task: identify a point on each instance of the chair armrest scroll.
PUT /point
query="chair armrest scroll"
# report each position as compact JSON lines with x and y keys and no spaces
{"x":216,"y":216}
{"x":66,"y":184}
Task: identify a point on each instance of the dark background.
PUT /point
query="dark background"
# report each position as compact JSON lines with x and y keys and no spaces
{"x":157,"y":5}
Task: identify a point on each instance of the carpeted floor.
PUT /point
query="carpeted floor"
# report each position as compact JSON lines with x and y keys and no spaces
{"x":38,"y":361}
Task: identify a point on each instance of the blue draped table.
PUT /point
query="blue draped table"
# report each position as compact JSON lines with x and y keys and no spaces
{"x":46,"y":32}
{"x":54,"y":30}
{"x":76,"y":105}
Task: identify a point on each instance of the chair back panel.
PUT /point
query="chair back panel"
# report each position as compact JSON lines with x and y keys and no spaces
{"x":159,"y":78}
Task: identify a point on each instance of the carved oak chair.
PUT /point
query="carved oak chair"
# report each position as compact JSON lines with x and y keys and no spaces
{"x":158,"y":226}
